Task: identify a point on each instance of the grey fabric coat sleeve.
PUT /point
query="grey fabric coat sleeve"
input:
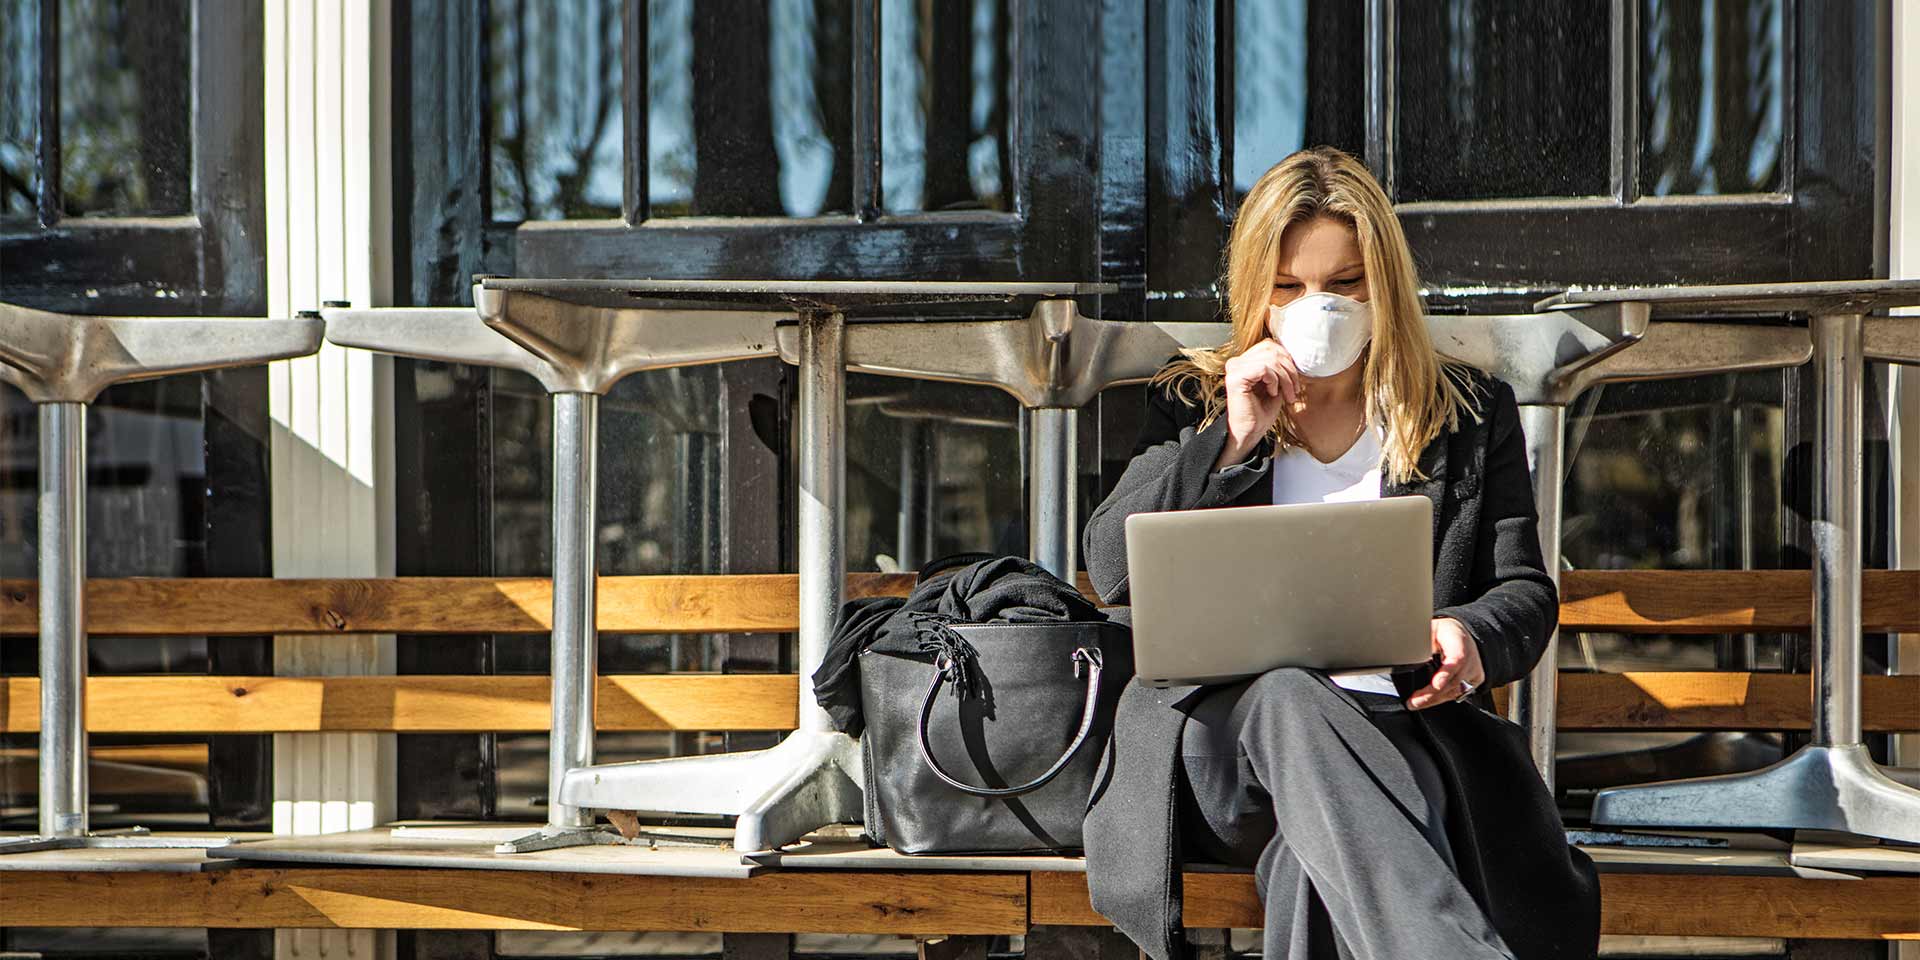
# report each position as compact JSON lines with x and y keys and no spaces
{"x":1170,"y":471}
{"x":1516,"y":604}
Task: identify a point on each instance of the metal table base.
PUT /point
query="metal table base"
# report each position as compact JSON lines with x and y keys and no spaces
{"x":1831,"y":784}
{"x":1052,"y":361}
{"x":579,"y":337}
{"x":1546,"y":359}
{"x":577,"y":352}
{"x":811,"y":778}
{"x":62,"y":362}
{"x":1592,"y":352}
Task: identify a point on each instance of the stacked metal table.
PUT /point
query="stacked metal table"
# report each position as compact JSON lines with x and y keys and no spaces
{"x":62,"y":362}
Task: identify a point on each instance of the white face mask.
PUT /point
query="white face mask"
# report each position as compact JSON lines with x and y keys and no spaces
{"x":1324,"y":332}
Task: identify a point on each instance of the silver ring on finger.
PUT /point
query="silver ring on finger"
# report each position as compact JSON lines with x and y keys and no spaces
{"x":1466,"y":689}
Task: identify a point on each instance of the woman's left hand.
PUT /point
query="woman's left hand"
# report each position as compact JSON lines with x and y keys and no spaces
{"x":1459,"y":671}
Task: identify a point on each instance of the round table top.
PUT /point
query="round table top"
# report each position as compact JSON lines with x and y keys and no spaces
{"x":1821,"y":296}
{"x":868,"y":299}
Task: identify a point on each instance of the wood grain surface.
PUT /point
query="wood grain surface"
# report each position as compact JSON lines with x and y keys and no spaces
{"x":1628,"y":601}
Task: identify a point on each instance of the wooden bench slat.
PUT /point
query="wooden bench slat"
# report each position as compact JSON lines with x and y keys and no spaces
{"x":174,"y":756}
{"x":1720,"y":701}
{"x":464,"y":704}
{"x":158,"y":607}
{"x":1643,"y":904}
{"x":409,"y":704}
{"x":1629,"y":601}
{"x":1725,"y":601}
{"x":902,"y":904}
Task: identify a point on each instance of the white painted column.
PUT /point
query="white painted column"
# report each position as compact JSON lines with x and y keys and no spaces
{"x":1903,"y":261}
{"x":1903,"y":407}
{"x":328,"y":181}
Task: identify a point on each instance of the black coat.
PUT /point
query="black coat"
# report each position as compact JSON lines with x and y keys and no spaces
{"x":1540,"y":893}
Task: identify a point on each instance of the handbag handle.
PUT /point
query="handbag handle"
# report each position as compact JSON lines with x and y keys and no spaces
{"x":1087,"y":655}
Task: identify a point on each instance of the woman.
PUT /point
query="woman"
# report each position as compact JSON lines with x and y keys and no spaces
{"x":1385,"y":816}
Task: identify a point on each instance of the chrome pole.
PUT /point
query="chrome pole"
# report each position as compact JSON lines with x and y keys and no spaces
{"x":823,"y":463}
{"x":1743,"y":489}
{"x":910,"y":531}
{"x":575,"y":422}
{"x":1052,"y":492}
{"x":1837,"y":365}
{"x":63,"y":619}
{"x":1534,"y":703}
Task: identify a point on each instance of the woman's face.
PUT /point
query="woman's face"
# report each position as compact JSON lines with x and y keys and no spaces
{"x":1321,"y":255}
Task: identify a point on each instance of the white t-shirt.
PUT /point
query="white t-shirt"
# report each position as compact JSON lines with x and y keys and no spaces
{"x":1298,"y":477}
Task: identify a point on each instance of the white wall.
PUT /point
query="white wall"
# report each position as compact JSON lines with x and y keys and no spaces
{"x":328,"y":229}
{"x":1904,"y":262}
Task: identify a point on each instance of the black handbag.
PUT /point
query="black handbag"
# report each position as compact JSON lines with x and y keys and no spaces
{"x":989,"y":740}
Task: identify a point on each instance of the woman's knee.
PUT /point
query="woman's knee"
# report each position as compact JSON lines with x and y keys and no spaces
{"x":1288,"y":681}
{"x":1290,"y":692}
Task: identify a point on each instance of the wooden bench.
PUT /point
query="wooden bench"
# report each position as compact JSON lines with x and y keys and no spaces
{"x":1676,"y":602}
{"x":903,"y":902}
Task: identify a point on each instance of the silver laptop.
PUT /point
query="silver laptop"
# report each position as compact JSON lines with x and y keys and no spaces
{"x":1223,"y":594}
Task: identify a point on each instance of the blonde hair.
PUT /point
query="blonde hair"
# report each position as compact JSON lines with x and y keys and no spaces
{"x":1404,"y":376}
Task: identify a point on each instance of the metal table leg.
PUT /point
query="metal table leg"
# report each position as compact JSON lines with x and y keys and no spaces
{"x":1053,"y":496}
{"x":62,"y":362}
{"x":63,"y":616}
{"x":913,"y":537}
{"x":575,"y":642}
{"x":1534,"y":701}
{"x":1832,"y":783}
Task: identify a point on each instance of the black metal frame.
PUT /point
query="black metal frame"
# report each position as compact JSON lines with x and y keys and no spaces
{"x":1815,"y":227}
{"x":1812,"y":229}
{"x":1054,"y":129}
{"x":209,"y":262}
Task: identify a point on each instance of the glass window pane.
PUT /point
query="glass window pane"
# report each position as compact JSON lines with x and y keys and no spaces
{"x":943,"y":105}
{"x":749,"y":108}
{"x":670,"y":160}
{"x":146,"y":517}
{"x":554,"y":109}
{"x":1299,"y":79}
{"x":126,"y":137}
{"x":1502,"y":98}
{"x":19,"y":107}
{"x":932,"y":469}
{"x":1674,"y":475}
{"x":1713,"y":89}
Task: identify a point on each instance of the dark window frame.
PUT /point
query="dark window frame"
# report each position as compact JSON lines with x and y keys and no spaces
{"x":1499,"y":254}
{"x":210,"y":261}
{"x":1807,"y":230}
{"x":1046,"y":235}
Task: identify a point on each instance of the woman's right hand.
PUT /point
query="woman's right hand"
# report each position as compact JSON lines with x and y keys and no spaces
{"x":1259,"y":383}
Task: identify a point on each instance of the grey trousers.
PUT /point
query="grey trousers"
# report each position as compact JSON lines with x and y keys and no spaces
{"x":1333,"y":798}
